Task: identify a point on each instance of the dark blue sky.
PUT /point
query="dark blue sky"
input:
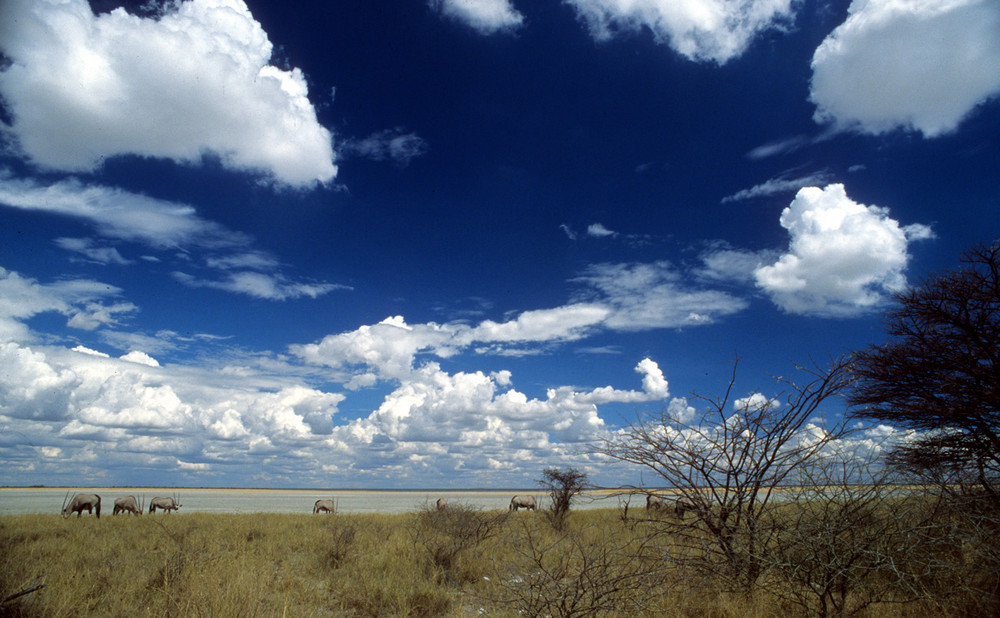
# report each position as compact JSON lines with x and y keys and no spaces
{"x":449,"y":243}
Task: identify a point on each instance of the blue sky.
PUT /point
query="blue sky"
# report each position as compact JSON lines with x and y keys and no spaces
{"x":448,"y":243}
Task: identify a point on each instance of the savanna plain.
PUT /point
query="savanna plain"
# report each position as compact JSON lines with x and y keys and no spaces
{"x":460,"y":561}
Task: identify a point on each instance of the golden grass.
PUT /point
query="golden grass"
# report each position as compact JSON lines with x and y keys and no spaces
{"x":224,"y":565}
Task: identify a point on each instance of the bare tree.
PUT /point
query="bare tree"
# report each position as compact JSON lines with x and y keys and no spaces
{"x":728,"y":466}
{"x":563,"y":486}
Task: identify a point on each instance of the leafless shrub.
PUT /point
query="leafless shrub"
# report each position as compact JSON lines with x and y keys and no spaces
{"x":586,"y":572}
{"x":728,"y":466}
{"x":341,"y":544}
{"x":849,"y":536}
{"x":445,"y":534}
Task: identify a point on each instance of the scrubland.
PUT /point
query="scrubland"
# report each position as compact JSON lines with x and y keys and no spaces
{"x":456,"y":562}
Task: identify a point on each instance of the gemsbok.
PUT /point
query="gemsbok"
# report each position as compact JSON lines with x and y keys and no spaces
{"x":80,"y":503}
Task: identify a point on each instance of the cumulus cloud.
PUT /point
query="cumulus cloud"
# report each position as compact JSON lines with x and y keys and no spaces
{"x":137,"y":356}
{"x":82,"y":87}
{"x":915,"y":64}
{"x":484,"y":16}
{"x":700,"y":30}
{"x":843,"y":257}
{"x":389,"y":349}
{"x":755,"y":403}
{"x":482,"y":417}
{"x":134,"y":403}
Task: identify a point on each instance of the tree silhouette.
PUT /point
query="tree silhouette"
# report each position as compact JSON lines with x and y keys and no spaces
{"x":940,"y":374}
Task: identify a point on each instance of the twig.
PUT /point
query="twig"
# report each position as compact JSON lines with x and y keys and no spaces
{"x":22,"y":593}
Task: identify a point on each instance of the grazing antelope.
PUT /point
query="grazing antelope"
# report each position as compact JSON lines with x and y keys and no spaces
{"x":164,"y":504}
{"x":684,"y":504}
{"x":127,"y":504}
{"x":654,"y":502}
{"x":522,"y":502}
{"x":80,"y":503}
{"x":326,"y":506}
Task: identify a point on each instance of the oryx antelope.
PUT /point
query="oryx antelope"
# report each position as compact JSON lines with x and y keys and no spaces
{"x":127,"y":504}
{"x":684,"y":504}
{"x":441,"y":504}
{"x":80,"y":503}
{"x":653,"y":502}
{"x":324,"y":506}
{"x":164,"y":504}
{"x":522,"y":502}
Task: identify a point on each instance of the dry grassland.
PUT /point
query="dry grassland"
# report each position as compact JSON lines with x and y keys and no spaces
{"x":467,"y":563}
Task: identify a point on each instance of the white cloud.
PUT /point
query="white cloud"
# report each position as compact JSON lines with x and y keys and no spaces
{"x":82,"y":88}
{"x":163,"y":225}
{"x":22,"y":298}
{"x":680,"y":411}
{"x":559,"y":324}
{"x":598,"y":230}
{"x":388,"y":348}
{"x":701,"y":30}
{"x":484,"y":16}
{"x":30,"y":387}
{"x":260,"y":285}
{"x":87,"y":248}
{"x":722,"y":263}
{"x":94,"y":315}
{"x":120,"y":214}
{"x":653,"y":381}
{"x":842,"y":257}
{"x":778,"y":147}
{"x":468,"y":416}
{"x":778,"y":185}
{"x":647,"y":296}
{"x":84,"y":350}
{"x":392,"y":144}
{"x":137,"y":356}
{"x":916,"y":64}
{"x":755,"y":403}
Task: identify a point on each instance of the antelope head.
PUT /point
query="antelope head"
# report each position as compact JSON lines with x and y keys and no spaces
{"x":65,"y":509}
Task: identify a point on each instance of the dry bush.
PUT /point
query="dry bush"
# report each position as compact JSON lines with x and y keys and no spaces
{"x":340,"y":544}
{"x":444,"y":536}
{"x":562,"y":487}
{"x":849,"y":538}
{"x":729,"y":466}
{"x":596,"y":568}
